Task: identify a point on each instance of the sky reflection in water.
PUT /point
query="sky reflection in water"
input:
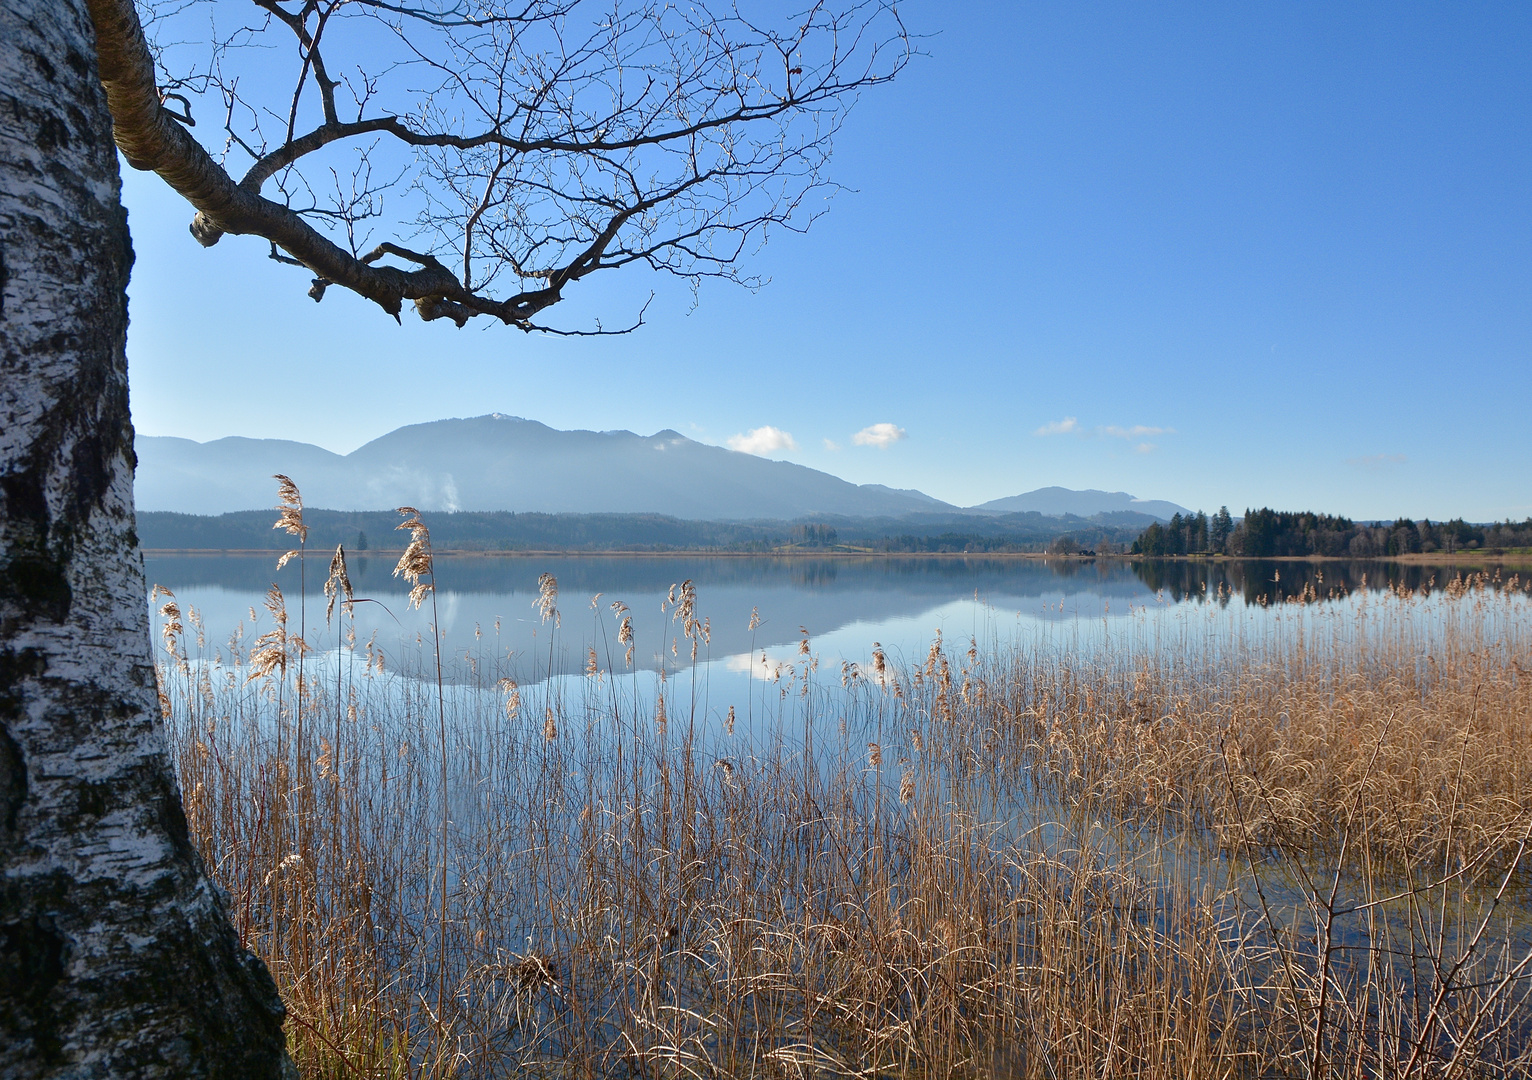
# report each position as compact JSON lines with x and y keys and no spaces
{"x":842,"y":604}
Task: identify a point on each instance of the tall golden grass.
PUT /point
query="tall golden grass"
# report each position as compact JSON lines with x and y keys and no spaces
{"x":1291,"y":845}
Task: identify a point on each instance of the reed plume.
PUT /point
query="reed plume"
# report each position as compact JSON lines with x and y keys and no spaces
{"x":338,"y":584}
{"x":270,"y":652}
{"x":289,"y":510}
{"x":416,"y":562}
{"x":547,"y":598}
{"x":170,"y":611}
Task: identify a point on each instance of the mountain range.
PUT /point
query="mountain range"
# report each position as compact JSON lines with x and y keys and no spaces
{"x":499,"y":462}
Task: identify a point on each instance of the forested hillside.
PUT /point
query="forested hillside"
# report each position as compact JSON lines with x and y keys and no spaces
{"x":504,"y":531}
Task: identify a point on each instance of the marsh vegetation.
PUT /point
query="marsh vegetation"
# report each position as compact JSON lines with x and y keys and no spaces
{"x":1287,"y":840}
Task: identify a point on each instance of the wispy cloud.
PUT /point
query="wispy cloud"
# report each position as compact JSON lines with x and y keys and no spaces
{"x":1376,"y":461}
{"x":1059,"y":427}
{"x":880,"y":435}
{"x":763,"y":440}
{"x":1137,"y":431}
{"x":1071,"y":426}
{"x":831,"y":444}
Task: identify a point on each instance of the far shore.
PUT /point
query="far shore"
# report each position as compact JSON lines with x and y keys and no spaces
{"x":1464,"y":558}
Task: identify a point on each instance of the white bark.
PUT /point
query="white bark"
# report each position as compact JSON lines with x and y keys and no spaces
{"x":116,"y":953}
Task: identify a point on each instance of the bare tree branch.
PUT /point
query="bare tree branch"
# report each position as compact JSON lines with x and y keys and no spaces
{"x":542,"y":140}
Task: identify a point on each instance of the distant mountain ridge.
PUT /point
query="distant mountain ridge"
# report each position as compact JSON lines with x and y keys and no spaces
{"x":506,"y":463}
{"x":1058,"y":501}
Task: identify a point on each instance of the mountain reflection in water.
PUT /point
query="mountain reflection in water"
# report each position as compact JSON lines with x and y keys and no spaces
{"x":485,"y":604}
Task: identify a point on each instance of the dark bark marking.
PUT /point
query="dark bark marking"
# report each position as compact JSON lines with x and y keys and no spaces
{"x":32,"y":957}
{"x":22,"y":490}
{"x":13,"y":784}
{"x":81,"y":124}
{"x":43,"y":65}
{"x":172,"y":815}
{"x":35,"y":578}
{"x":82,"y":67}
{"x":93,"y":800}
{"x":265,"y":986}
{"x":39,"y":586}
{"x":31,"y":964}
{"x":92,"y":472}
{"x":16,"y":668}
{"x":52,"y":134}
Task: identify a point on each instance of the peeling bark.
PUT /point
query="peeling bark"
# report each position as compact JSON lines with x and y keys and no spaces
{"x":116,"y":953}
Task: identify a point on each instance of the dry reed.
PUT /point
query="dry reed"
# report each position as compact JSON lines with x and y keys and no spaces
{"x":1298,"y":851}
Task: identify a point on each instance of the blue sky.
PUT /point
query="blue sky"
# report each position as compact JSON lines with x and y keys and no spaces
{"x":1272,"y":254}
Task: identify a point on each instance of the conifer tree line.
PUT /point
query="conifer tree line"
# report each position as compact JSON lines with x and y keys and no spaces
{"x":1268,"y":533}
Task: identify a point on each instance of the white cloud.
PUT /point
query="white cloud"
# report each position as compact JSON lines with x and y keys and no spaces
{"x":1137,"y":431}
{"x":831,"y":444}
{"x":1058,"y":427}
{"x":763,"y":440}
{"x":1376,"y":461}
{"x":1071,"y":426}
{"x":880,"y":435}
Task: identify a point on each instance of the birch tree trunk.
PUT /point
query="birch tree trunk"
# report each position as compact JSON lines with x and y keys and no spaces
{"x":116,"y":953}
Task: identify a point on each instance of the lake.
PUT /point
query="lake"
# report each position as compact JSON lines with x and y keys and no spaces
{"x":757,"y":606}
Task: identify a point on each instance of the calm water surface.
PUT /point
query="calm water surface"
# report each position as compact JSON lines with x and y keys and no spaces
{"x":485,"y":605}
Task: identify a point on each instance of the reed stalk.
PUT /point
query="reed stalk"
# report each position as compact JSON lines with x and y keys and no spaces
{"x":1220,"y":847}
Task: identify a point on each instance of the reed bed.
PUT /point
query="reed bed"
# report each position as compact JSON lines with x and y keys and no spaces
{"x":1291,"y":845}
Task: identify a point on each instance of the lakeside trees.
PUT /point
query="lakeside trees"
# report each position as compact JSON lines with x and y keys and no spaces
{"x":1184,"y":535}
{"x":627,"y":138}
{"x":1267,"y":533}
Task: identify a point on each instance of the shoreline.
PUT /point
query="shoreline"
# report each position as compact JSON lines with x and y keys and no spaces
{"x":1499,"y":558}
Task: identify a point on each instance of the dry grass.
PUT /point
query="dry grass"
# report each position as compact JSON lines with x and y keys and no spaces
{"x":1285,"y":846}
